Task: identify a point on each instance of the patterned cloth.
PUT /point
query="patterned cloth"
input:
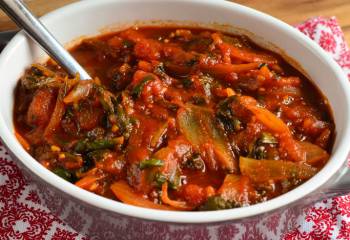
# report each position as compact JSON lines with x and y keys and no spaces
{"x":329,"y":219}
{"x":23,"y":214}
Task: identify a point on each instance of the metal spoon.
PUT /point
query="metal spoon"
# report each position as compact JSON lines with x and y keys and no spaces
{"x":22,"y":16}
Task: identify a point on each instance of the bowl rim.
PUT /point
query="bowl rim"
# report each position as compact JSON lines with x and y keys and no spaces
{"x":331,"y":168}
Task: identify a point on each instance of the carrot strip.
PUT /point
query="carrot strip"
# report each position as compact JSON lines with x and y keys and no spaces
{"x":87,"y":182}
{"x":220,"y":69}
{"x":292,"y":147}
{"x":276,"y":125}
{"x":266,"y":117}
{"x":265,"y":71}
{"x":176,"y":204}
{"x":145,"y":66}
{"x":22,"y":141}
{"x":127,"y":195}
{"x":247,"y":56}
{"x":240,"y":53}
{"x":84,"y":174}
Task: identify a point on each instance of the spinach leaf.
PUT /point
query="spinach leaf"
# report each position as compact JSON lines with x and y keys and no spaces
{"x":152,"y":162}
{"x":136,"y":91}
{"x":63,"y":173}
{"x":217,"y":203}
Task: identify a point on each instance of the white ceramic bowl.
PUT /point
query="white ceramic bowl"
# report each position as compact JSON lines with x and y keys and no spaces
{"x":87,"y":18}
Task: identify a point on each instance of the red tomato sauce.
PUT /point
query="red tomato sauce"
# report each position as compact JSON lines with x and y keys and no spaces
{"x":175,"y":119}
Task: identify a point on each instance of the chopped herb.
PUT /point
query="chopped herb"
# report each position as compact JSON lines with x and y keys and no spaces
{"x":33,"y":81}
{"x":267,"y":138}
{"x":69,"y":112}
{"x":80,"y":146}
{"x":237,"y":124}
{"x":100,"y":144}
{"x":286,"y":184}
{"x":187,"y":83}
{"x":127,"y":44}
{"x":199,"y":44}
{"x":136,"y":91}
{"x":159,"y":69}
{"x":96,"y":133}
{"x":63,"y":173}
{"x":37,"y":72}
{"x":88,"y":163}
{"x":152,"y":162}
{"x":224,"y":106}
{"x":260,"y":152}
{"x":225,"y":123}
{"x":276,"y":76}
{"x":226,"y":116}
{"x":217,"y":203}
{"x":257,"y":150}
{"x":175,"y":181}
{"x":72,"y":157}
{"x":191,"y":62}
{"x":198,"y":100}
{"x":106,"y":99}
{"x":98,"y":155}
{"x":124,"y":122}
{"x":195,"y":162}
{"x":260,"y":98}
{"x":262,"y":65}
{"x":105,"y":122}
{"x":78,"y":173}
{"x":159,"y":179}
{"x":172,"y":107}
{"x":88,"y":146}
{"x":169,"y":105}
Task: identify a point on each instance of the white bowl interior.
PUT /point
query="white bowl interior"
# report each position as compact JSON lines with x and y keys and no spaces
{"x":89,"y":17}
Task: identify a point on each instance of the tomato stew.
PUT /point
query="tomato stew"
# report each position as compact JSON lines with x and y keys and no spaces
{"x":175,"y":119}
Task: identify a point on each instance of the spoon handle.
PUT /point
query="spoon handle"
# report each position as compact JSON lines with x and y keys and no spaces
{"x":22,"y":16}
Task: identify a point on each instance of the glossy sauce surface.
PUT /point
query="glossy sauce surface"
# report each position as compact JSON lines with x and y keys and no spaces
{"x":176,"y":118}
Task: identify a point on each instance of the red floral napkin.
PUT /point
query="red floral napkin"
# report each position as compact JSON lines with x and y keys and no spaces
{"x":23,"y":214}
{"x":329,"y":219}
